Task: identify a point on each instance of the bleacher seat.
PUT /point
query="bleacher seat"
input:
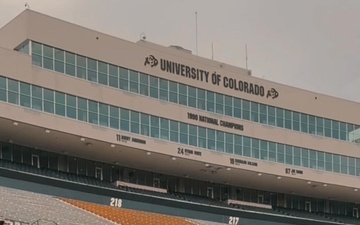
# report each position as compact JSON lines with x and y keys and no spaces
{"x":127,"y":216}
{"x":27,"y":207}
{"x":173,"y":195}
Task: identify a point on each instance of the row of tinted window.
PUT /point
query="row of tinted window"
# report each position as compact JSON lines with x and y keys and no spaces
{"x":133,"y":81}
{"x":86,"y":110}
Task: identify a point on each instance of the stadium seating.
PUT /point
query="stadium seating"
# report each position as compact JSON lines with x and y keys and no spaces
{"x":173,"y":195}
{"x":27,"y":207}
{"x":128,"y":217}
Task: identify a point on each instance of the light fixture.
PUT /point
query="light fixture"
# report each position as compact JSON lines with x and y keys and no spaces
{"x":15,"y":123}
{"x":207,"y":164}
{"x":309,"y":182}
{"x":47,"y":131}
{"x":259,"y":174}
{"x":173,"y":158}
{"x":355,"y":189}
{"x":82,"y":139}
{"x":228,"y":169}
{"x":325,"y":185}
{"x":112,"y":145}
{"x":278,"y":177}
{"x":148,"y":153}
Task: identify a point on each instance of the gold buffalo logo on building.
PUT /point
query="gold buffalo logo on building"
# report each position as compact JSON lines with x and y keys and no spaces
{"x":151,"y":60}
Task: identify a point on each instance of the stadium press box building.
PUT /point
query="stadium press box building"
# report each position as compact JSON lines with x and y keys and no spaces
{"x":83,"y":102}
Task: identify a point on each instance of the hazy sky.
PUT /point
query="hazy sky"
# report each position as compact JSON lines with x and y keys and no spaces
{"x":310,"y":44}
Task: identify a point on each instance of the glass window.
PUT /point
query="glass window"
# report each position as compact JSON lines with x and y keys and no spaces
{"x":59,"y":55}
{"x":3,"y":83}
{"x":280,"y":153}
{"x":336,"y":163}
{"x":164,"y":89}
{"x":173,"y":92}
{"x":93,"y":112}
{"x":184,"y":133}
{"x":219,"y":103}
{"x":48,"y":57}
{"x":25,"y":89}
{"x":103,"y":67}
{"x":70,"y":63}
{"x":319,"y":126}
{"x":210,"y":101}
{"x":201,"y":104}
{"x":135,"y":122}
{"x":220,"y":141}
{"x":344,"y":164}
{"x":305,"y":157}
{"x":304,"y":123}
{"x":313,"y":159}
{"x":193,"y":135}
{"x":125,"y":120}
{"x":246,"y":109}
{"x":202,"y":137}
{"x":255,"y":148}
{"x":134,"y":81}
{"x":238,"y":144}
{"x":211,"y":139}
{"x":264,"y":152}
{"x":103,"y":73}
{"x":192,"y":97}
{"x":272,"y":151}
{"x":71,"y":106}
{"x":237,"y":107}
{"x":13,"y":91}
{"x":70,"y":58}
{"x":321,"y":160}
{"x":272,"y":120}
{"x":254,"y":111}
{"x":25,"y":95}
{"x":49,"y":101}
{"x":81,"y":66}
{"x":328,"y":162}
{"x":312,"y":125}
{"x":145,"y":124}
{"x":37,"y":97}
{"x":113,"y":76}
{"x":144,"y":84}
{"x":92,"y":70}
{"x":182,"y":94}
{"x":246,"y":146}
{"x":228,"y":105}
{"x":154,"y":87}
{"x":82,"y":109}
{"x":60,"y":103}
{"x":289,"y":155}
{"x":296,"y":121}
{"x":280,"y":118}
{"x":48,"y":51}
{"x":164,"y":129}
{"x":124,"y":79}
{"x":343,"y":134}
{"x":263,"y":114}
{"x":154,"y":126}
{"x":229,"y":143}
{"x":36,"y":48}
{"x":174,"y":131}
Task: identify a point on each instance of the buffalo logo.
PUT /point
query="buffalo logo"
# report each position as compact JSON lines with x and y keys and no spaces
{"x":272,"y":93}
{"x":151,"y":60}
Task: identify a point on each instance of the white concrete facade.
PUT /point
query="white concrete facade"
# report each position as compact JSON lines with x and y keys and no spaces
{"x":65,"y":132}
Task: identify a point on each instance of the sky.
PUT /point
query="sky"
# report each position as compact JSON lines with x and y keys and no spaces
{"x":309,"y":44}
